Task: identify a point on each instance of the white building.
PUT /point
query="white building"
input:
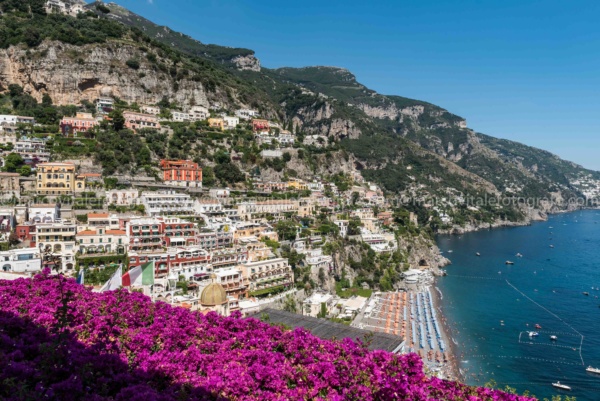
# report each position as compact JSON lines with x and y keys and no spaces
{"x":122,"y":197}
{"x":154,"y":110}
{"x":285,"y":139}
{"x":208,"y":205}
{"x":312,"y":305}
{"x":102,"y":240}
{"x":58,"y":238}
{"x":231,"y":122}
{"x":44,"y":213}
{"x":167,"y":203}
{"x":246,"y":114}
{"x":343,"y":227}
{"x":104,"y":105}
{"x":316,"y":260}
{"x":10,"y":120}
{"x":179,"y":116}
{"x":267,"y":274}
{"x":21,"y":260}
{"x":198,"y":113}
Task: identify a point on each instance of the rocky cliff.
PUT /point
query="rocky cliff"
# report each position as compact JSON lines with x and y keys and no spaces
{"x":71,"y":74}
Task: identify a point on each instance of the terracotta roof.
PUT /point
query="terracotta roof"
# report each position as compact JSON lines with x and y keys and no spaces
{"x":116,"y":232}
{"x":97,"y":215}
{"x":87,"y":232}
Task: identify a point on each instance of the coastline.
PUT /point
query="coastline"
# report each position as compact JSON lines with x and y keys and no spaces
{"x":454,"y":372}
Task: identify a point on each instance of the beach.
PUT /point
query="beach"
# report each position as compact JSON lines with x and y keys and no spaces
{"x":416,"y":315}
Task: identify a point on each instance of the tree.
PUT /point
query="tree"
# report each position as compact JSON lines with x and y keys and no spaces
{"x":118,"y":120}
{"x":208,"y":176}
{"x":13,"y":239}
{"x":286,"y":229}
{"x":323,"y":313}
{"x":287,"y":157}
{"x":229,"y":172}
{"x":13,"y":162}
{"x":355,"y":197}
{"x":110,"y":183}
{"x":133,"y":64}
{"x":46,"y":100}
{"x":289,"y":304}
{"x":25,"y":170}
{"x":322,"y":276}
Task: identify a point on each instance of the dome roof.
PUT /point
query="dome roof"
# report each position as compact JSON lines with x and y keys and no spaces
{"x":213,"y":294}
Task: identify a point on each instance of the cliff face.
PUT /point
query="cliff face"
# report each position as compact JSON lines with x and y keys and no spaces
{"x":70,"y":74}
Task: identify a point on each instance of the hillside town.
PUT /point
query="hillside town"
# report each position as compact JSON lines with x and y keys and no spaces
{"x":212,"y":248}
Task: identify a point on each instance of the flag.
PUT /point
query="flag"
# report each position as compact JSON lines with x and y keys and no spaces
{"x":114,"y":282}
{"x":148,"y":273}
{"x":141,"y":275}
{"x":80,"y":278}
{"x":133,"y":277}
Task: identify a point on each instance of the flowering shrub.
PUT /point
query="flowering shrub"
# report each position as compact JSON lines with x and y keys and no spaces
{"x":60,"y":341}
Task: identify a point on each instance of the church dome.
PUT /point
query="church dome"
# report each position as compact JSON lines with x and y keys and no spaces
{"x":213,"y":294}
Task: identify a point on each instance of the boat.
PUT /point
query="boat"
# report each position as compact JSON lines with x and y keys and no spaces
{"x":561,"y":386}
{"x":518,"y":255}
{"x":586,"y":293}
{"x":593,"y":370}
{"x":508,"y":262}
{"x":553,"y":338}
{"x":537,"y":326}
{"x":533,"y":334}
{"x":551,"y":246}
{"x":477,"y":254}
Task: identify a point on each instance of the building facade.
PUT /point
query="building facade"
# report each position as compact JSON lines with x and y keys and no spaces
{"x":184,"y":173}
{"x":58,"y":179}
{"x":82,"y":122}
{"x":135,"y":120}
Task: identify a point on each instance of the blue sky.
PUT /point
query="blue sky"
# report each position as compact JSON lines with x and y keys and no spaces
{"x":521,"y":70}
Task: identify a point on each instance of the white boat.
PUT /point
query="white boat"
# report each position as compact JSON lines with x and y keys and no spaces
{"x":561,"y":386}
{"x":593,"y":370}
{"x":553,"y":338}
{"x":533,"y":334}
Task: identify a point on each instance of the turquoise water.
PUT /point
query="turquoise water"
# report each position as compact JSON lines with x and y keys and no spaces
{"x":545,"y":286}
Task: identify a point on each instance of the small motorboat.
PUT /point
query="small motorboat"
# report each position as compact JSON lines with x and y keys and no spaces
{"x":586,"y":293}
{"x":533,"y":334}
{"x":561,"y":386}
{"x":477,"y":254}
{"x":537,"y":326}
{"x":518,"y":255}
{"x":593,"y":370}
{"x":553,"y":338}
{"x":551,"y":246}
{"x":508,"y":262}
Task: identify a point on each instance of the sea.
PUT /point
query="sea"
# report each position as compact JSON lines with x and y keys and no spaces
{"x":492,"y":306}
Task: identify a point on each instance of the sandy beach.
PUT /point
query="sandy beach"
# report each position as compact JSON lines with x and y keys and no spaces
{"x":453,"y":356}
{"x":416,"y":315}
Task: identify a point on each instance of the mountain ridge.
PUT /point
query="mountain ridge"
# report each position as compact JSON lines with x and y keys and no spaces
{"x":409,"y":146}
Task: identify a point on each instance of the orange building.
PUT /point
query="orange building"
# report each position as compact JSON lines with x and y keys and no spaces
{"x":260,"y":125}
{"x":185,"y":173}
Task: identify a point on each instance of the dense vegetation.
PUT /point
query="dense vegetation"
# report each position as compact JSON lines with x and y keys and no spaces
{"x":59,"y":340}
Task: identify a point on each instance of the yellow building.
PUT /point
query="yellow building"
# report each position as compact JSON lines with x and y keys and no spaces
{"x":216,"y":123}
{"x":58,"y":179}
{"x":297,"y":184}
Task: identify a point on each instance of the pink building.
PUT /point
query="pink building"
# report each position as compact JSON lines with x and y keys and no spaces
{"x":135,"y":120}
{"x":82,"y":122}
